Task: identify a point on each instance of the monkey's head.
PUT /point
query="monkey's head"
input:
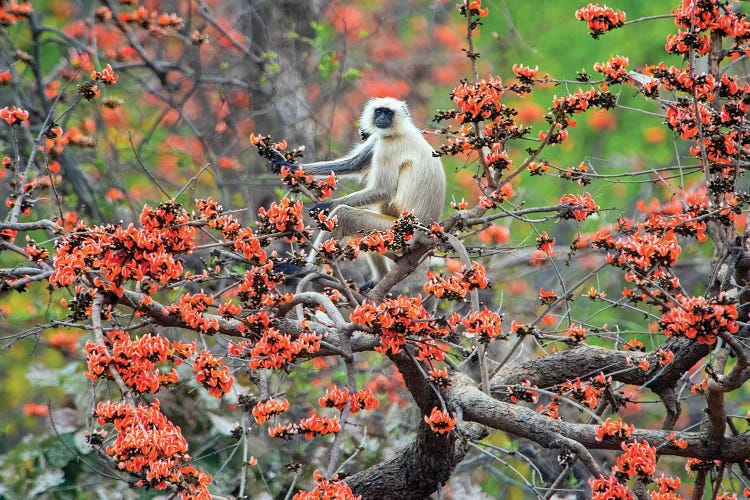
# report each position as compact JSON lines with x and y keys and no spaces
{"x":384,"y":116}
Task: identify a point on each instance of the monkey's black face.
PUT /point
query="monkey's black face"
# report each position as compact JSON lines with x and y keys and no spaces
{"x":383,"y":117}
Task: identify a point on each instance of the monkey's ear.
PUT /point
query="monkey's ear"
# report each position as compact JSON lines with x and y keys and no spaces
{"x":405,"y":108}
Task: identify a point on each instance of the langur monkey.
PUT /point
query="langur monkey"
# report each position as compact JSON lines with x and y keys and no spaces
{"x":401,"y":174}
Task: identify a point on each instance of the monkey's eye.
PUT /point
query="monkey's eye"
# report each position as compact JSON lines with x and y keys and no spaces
{"x":384,"y":111}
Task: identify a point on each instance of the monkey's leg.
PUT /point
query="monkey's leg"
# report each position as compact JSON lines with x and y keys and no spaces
{"x":354,"y":221}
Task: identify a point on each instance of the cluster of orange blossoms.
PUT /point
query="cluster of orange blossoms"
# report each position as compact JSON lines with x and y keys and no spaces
{"x":325,"y":490}
{"x":212,"y":373}
{"x":700,"y":318}
{"x":148,"y":445}
{"x":600,"y":19}
{"x":154,"y":22}
{"x":472,"y":6}
{"x":578,"y":206}
{"x":191,"y":309}
{"x":135,"y":360}
{"x":639,"y":459}
{"x":575,"y":333}
{"x":11,"y":12}
{"x":616,"y":429}
{"x":485,"y":323}
{"x":609,"y":488}
{"x":310,"y":427}
{"x":113,"y":254}
{"x":696,"y":18}
{"x":106,"y":76}
{"x":588,"y":393}
{"x":263,"y":410}
{"x":298,"y":178}
{"x":614,"y":69}
{"x":458,"y":284}
{"x":13,"y":115}
{"x":394,"y":319}
{"x":440,"y":421}
{"x":275,"y":349}
{"x":283,"y":217}
{"x":362,"y":399}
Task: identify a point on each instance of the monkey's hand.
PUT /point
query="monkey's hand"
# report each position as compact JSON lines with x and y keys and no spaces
{"x":325,"y":206}
{"x":278,"y":163}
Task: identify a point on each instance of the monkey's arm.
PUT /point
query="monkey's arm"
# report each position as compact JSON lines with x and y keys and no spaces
{"x":359,"y":159}
{"x":381,"y":186}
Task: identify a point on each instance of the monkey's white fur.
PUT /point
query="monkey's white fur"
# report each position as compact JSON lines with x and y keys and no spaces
{"x":402,"y":173}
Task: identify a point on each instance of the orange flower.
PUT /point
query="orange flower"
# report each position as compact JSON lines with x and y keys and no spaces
{"x":363,"y":399}
{"x":212,"y":374}
{"x":600,"y":19}
{"x":546,"y":296}
{"x":638,"y":459}
{"x":440,"y":421}
{"x":334,"y":398}
{"x":324,"y":489}
{"x":13,"y":115}
{"x":263,"y":410}
{"x":35,"y":410}
{"x":608,"y":488}
{"x":321,"y":425}
{"x":616,"y":429}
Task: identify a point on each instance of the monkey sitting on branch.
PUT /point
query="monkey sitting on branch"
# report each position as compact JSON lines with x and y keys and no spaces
{"x":402,"y":175}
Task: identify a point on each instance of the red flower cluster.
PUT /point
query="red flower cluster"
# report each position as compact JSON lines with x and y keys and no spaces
{"x":275,"y":349}
{"x":578,"y":102}
{"x":394,"y":319}
{"x":577,"y":207}
{"x":338,"y":398}
{"x":148,"y":445}
{"x":575,"y":333}
{"x":106,"y":76}
{"x":257,"y":288}
{"x":609,"y":488}
{"x":485,"y":323}
{"x":615,"y":429}
{"x":283,"y":217}
{"x":191,"y":309}
{"x":638,"y":459}
{"x":263,"y":410}
{"x":153,"y":21}
{"x":525,"y":74}
{"x":685,"y":41}
{"x":458,"y":284}
{"x":472,"y":6}
{"x":614,"y":69}
{"x":12,"y":12}
{"x":588,"y":393}
{"x":212,"y":373}
{"x":135,"y":360}
{"x":298,"y":178}
{"x":320,"y":425}
{"x":600,"y":19}
{"x":700,"y":318}
{"x":311,"y":426}
{"x":13,"y":115}
{"x":334,"y":398}
{"x":440,"y":421}
{"x":668,"y":487}
{"x":697,"y":17}
{"x":327,"y":490}
{"x":115,"y":254}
